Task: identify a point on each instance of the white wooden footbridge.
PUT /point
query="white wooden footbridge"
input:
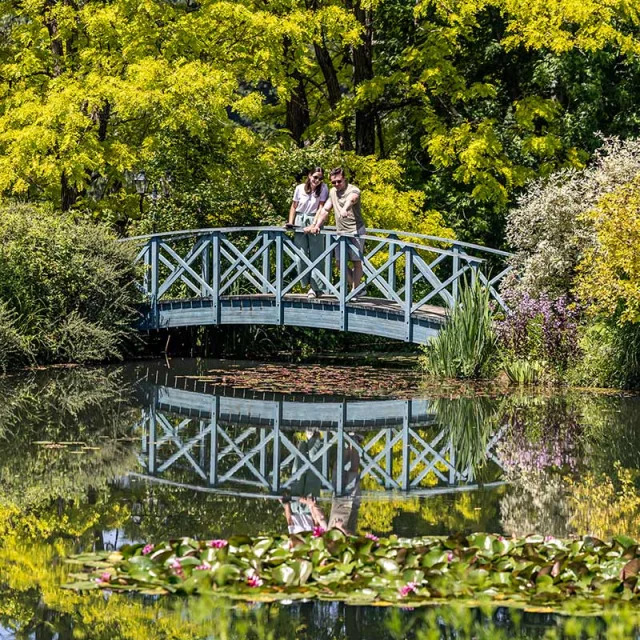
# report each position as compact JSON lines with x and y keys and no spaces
{"x":253,"y":275}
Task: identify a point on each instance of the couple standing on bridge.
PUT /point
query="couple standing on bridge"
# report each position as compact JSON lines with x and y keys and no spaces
{"x":312,"y":201}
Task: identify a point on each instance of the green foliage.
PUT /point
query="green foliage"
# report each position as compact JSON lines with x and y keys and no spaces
{"x":523,"y":372}
{"x":66,"y":288}
{"x":467,"y":345}
{"x":561,"y":574}
{"x":14,"y":349}
{"x":470,"y":100}
{"x":471,"y":422}
{"x":610,"y":356}
{"x":608,"y":278}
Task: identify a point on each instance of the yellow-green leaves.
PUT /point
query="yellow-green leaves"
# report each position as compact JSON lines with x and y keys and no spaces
{"x":608,"y":281}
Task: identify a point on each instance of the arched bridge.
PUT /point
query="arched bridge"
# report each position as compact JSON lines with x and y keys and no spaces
{"x":254,"y":275}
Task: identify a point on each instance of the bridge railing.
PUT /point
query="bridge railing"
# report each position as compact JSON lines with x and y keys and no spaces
{"x":406,"y":269}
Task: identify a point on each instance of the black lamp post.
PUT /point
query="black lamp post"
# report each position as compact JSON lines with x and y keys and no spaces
{"x":142,"y":186}
{"x":141,"y":182}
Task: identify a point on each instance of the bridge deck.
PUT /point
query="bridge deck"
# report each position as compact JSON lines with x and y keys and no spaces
{"x":298,"y":310}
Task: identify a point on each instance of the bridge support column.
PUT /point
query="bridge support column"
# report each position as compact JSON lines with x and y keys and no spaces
{"x":455,"y":261}
{"x":391,"y":277}
{"x":155,"y":267}
{"x":277,"y":419}
{"x":279,"y":319}
{"x":406,"y":452}
{"x":215,"y":276}
{"x":408,"y":293}
{"x":344,"y":285}
{"x":340,"y":450}
{"x":266,"y":264}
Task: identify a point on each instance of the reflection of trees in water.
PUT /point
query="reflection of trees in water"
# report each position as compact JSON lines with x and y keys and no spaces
{"x":543,"y":440}
{"x":165,"y":511}
{"x":535,"y":502}
{"x":63,"y":445}
{"x":565,"y":458}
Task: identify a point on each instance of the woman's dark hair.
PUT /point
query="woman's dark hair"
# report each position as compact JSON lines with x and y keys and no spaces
{"x":307,"y":185}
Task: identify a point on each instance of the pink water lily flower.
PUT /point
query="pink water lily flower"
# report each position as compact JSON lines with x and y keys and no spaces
{"x":255,"y":581}
{"x":147,"y":549}
{"x":177,"y":568}
{"x":318,"y":531}
{"x":408,"y":588}
{"x":218,"y":543}
{"x":449,"y":556}
{"x":205,"y":566}
{"x":105,"y":577}
{"x":370,"y":536}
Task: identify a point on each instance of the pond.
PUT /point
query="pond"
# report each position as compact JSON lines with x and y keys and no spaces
{"x":96,"y":458}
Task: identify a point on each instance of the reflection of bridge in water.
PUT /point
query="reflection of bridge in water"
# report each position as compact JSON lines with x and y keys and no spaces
{"x":253,"y":446}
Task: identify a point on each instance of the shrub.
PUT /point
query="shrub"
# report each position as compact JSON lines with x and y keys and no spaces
{"x":608,"y":275}
{"x":14,"y":348}
{"x":466,"y":347}
{"x":547,"y":228}
{"x":66,"y":288}
{"x":610,"y":356}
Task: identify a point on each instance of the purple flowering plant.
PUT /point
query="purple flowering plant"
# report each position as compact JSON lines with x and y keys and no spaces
{"x":540,"y":329}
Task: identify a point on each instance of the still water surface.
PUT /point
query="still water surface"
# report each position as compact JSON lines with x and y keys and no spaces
{"x":93,"y":459}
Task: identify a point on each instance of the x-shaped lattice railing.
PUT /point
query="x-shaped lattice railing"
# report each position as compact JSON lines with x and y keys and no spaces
{"x":409,"y":270}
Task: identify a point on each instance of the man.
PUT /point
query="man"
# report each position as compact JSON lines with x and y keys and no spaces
{"x":344,"y":199}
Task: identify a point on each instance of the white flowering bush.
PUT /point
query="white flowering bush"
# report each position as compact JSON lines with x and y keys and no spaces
{"x":547,"y":229}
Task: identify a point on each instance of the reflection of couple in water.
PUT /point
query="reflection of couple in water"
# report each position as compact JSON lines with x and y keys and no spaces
{"x":300,"y":504}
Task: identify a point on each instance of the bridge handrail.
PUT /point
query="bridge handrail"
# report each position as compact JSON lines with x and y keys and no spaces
{"x":329,"y":230}
{"x":453,"y":241}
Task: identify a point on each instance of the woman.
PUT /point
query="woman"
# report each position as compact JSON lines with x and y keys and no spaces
{"x":308,"y":199}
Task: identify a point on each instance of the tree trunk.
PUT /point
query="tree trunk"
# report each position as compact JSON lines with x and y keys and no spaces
{"x":298,"y":119}
{"x":362,"y":72}
{"x":333,"y":88}
{"x":68,"y":194}
{"x":297,"y":116}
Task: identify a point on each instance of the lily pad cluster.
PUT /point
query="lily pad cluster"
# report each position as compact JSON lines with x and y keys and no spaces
{"x":330,"y":565}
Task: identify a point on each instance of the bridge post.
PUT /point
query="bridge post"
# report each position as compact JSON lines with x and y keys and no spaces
{"x":343,"y":281}
{"x":155,"y":267}
{"x":340,"y":451}
{"x":391,"y":277}
{"x":266,"y":265}
{"x":205,"y":269}
{"x":215,"y":276}
{"x":456,"y":266}
{"x":327,"y":260}
{"x":153,"y":423}
{"x":408,"y":293}
{"x":279,"y":277}
{"x":388,"y":459}
{"x":406,"y":452}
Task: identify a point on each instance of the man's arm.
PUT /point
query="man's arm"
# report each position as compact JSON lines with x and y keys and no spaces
{"x":320,"y":218}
